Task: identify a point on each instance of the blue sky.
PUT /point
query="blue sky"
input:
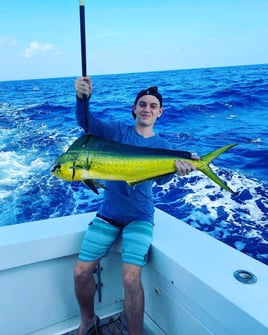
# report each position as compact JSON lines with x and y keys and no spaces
{"x":41,"y":39}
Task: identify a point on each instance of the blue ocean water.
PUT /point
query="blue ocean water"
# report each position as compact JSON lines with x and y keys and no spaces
{"x":203,"y":109}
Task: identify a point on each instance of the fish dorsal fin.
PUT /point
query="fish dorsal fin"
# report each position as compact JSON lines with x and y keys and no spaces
{"x":81,"y":142}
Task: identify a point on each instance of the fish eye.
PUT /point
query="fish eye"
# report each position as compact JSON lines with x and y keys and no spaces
{"x":56,"y":167}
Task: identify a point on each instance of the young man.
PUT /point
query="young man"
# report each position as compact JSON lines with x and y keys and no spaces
{"x":124,"y":210}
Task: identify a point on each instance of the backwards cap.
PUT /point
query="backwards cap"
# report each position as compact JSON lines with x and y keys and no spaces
{"x":149,"y":91}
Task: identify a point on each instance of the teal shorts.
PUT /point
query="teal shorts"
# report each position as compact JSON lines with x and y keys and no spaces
{"x":136,"y":240}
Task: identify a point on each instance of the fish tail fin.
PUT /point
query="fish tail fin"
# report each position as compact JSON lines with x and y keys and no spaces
{"x":205,"y":168}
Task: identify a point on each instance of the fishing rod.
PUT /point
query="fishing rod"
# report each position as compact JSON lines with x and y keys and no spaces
{"x":86,"y":106}
{"x":83,"y":58}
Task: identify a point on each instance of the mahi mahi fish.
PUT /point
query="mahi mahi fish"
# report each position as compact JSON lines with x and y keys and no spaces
{"x":92,"y":158}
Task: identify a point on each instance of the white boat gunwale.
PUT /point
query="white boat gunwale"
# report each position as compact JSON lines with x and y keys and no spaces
{"x":188,"y":270}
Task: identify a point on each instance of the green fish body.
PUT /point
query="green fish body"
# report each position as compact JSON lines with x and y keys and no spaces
{"x":91,"y":157}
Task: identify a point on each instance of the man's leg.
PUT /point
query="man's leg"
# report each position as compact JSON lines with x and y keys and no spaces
{"x":96,"y":243}
{"x":85,"y":288}
{"x":134,"y":298}
{"x":136,"y":240}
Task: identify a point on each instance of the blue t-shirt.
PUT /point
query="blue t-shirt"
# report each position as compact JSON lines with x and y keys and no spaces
{"x":122,"y":202}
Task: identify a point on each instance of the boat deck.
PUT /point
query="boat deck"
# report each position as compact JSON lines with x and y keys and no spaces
{"x":115,"y":325}
{"x":109,"y":326}
{"x":113,"y":328}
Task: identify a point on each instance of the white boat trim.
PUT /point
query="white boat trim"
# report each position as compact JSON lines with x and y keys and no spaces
{"x":189,"y":283}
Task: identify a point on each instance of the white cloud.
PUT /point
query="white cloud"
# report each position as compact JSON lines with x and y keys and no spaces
{"x":35,"y":48}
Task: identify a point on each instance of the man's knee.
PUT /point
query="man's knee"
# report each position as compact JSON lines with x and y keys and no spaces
{"x":83,"y":271}
{"x":131,"y":276}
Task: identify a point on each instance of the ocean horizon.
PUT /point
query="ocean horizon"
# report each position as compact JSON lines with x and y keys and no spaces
{"x":137,"y":72}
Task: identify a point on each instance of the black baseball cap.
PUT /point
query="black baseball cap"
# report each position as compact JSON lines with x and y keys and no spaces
{"x":149,"y":91}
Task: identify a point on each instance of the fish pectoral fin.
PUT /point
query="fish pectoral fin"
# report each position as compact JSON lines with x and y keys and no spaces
{"x":92,"y":184}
